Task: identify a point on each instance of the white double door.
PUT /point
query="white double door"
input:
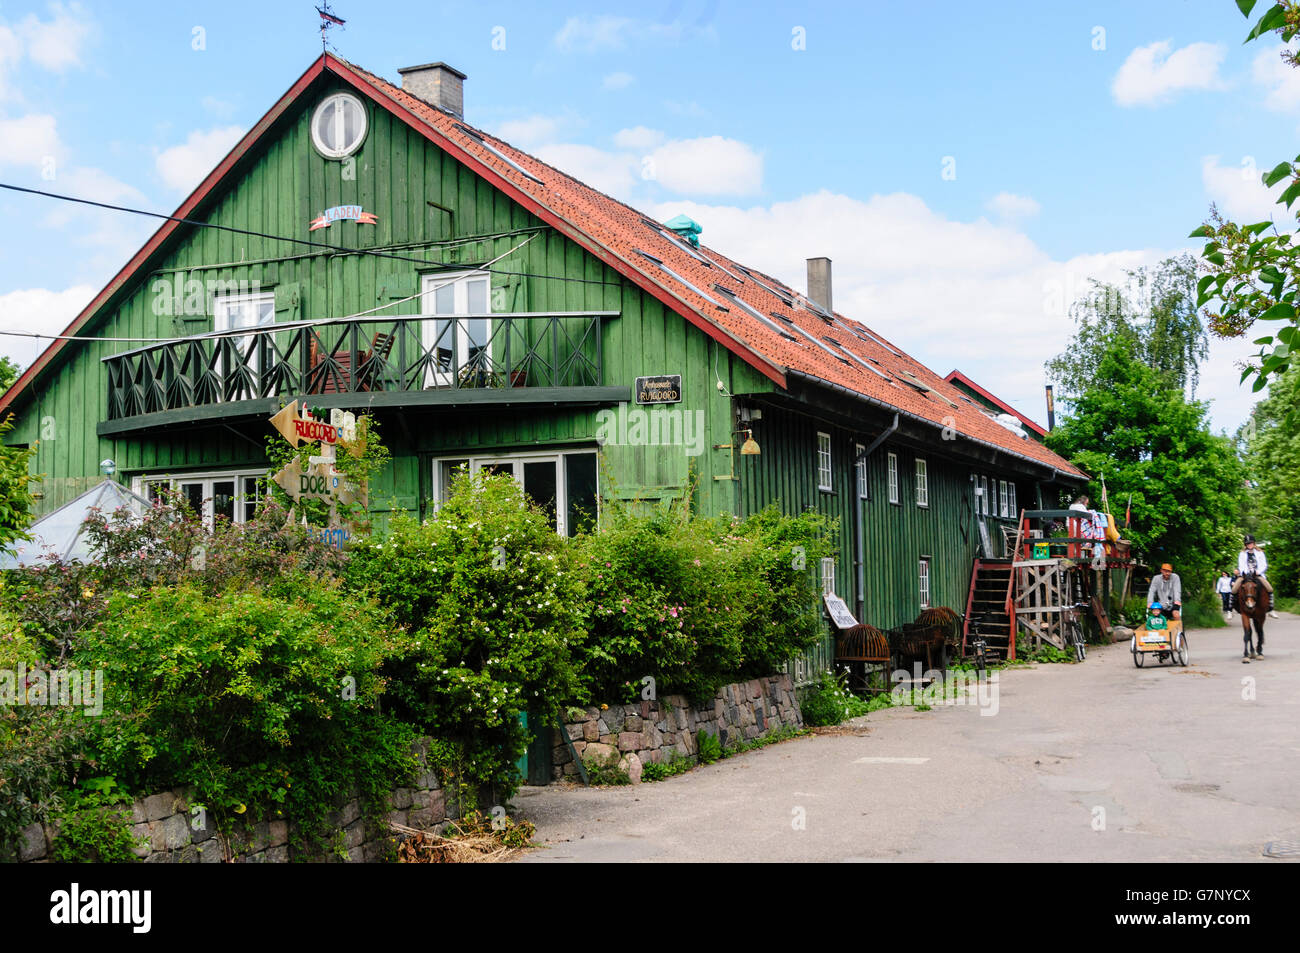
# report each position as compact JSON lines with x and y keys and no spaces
{"x":462,"y":344}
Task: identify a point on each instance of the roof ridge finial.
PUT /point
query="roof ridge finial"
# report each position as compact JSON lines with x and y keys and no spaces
{"x":327,"y":21}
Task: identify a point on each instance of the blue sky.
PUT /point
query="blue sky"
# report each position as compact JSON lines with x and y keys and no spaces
{"x":1079,"y":139}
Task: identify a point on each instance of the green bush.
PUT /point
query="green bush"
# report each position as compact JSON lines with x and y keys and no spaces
{"x":697,"y":603}
{"x":494,"y":614}
{"x":95,"y":826}
{"x":606,"y":771}
{"x":708,"y":748}
{"x":826,"y":702}
{"x":265,"y":702}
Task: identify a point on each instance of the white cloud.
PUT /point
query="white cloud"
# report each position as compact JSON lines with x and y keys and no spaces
{"x":111,"y":237}
{"x":40,"y":310}
{"x":1281,"y":79}
{"x":183,"y":167}
{"x":710,"y":165}
{"x":1009,"y":205}
{"x":29,"y":140}
{"x":1238,"y":191}
{"x":11,"y":51}
{"x":1152,"y":74}
{"x":638,"y":137}
{"x":218,"y":107}
{"x":618,"y":81}
{"x":609,"y":172}
{"x":591,"y":35}
{"x":58,"y":43}
{"x":950,"y":293}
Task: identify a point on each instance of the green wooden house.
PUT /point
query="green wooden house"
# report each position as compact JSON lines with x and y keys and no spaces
{"x":363,"y":247}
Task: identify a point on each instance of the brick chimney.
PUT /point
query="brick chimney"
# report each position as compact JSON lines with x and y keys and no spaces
{"x":819,"y":282}
{"x":438,"y":85}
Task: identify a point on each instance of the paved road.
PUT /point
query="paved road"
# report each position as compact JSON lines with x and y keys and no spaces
{"x":1172,"y":764}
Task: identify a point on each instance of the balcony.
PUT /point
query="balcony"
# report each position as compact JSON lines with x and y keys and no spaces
{"x":445,"y":361}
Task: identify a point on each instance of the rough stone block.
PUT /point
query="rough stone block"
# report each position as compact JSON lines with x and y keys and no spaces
{"x":593,"y":713}
{"x":210,"y":853}
{"x":31,"y":842}
{"x":560,"y":755}
{"x":353,"y":835}
{"x":172,"y":833}
{"x":608,"y":739}
{"x":597,"y":752}
{"x":189,"y":854}
{"x":401,"y":798}
{"x":159,"y":806}
{"x":421,"y":818}
{"x":590,"y":731}
{"x":428,"y":781}
{"x":632,"y":723}
{"x":278,"y":855}
{"x":419,"y":800}
{"x":356,"y":856}
{"x":279,"y":832}
{"x":602,"y":727}
{"x":437,"y":805}
{"x":632,"y":765}
{"x":576,"y":730}
{"x":160,"y":857}
{"x":141,"y":832}
{"x":398,"y":817}
{"x":351,"y":811}
{"x":629,"y":741}
{"x":138,"y":815}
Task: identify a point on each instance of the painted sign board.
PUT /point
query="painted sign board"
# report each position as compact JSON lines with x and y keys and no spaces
{"x":839,"y":612}
{"x":659,"y":389}
{"x":343,"y":213}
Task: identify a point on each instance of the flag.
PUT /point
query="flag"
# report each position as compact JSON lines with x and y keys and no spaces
{"x":330,"y":17}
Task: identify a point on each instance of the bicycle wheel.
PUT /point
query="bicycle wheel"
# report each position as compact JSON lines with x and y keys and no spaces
{"x":1181,"y":654}
{"x":1139,"y":658}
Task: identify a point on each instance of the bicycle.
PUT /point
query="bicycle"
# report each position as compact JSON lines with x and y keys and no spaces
{"x":1072,"y":629}
{"x":978,"y":646}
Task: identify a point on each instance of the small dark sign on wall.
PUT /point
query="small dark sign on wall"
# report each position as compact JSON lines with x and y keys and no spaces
{"x":660,"y":389}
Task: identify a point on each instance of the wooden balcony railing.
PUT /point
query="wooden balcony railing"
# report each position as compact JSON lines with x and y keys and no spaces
{"x":425,"y":355}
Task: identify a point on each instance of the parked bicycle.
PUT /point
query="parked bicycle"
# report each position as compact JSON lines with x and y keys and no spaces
{"x":978,"y":646}
{"x":1072,"y":630}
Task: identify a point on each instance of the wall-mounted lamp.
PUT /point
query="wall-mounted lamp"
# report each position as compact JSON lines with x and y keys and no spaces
{"x":107,"y":467}
{"x":747,"y":449}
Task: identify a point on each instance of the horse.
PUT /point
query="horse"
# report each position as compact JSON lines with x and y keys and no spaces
{"x":1253,"y":604}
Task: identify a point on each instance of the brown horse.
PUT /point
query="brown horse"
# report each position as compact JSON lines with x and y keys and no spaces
{"x":1253,"y":604}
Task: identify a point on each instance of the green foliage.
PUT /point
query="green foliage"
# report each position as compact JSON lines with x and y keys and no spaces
{"x":1135,"y":428}
{"x":15,"y":489}
{"x":9,"y":372}
{"x":661,"y":770}
{"x":1253,"y":271}
{"x":94,"y":827}
{"x":826,"y":702}
{"x":606,"y":771}
{"x":494,"y":615}
{"x":358,"y":461}
{"x":1155,"y":317}
{"x":265,"y":702}
{"x":1272,"y":449}
{"x":708,"y":748}
{"x":696,"y":603}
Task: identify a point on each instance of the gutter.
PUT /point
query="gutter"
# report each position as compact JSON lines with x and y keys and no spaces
{"x":859,"y":557}
{"x":875,"y":402}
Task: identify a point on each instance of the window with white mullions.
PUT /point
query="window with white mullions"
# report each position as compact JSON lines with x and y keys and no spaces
{"x":1003,"y":508}
{"x":828,"y":576}
{"x":924,"y":577}
{"x":338,"y":126}
{"x":986,"y":504}
{"x":824,"y":462}
{"x":461,"y":346}
{"x":861,"y":464}
{"x":233,"y":312}
{"x":1013,"y":510}
{"x":892,"y":463}
{"x":230,"y":496}
{"x":922,"y":483}
{"x":563,"y":484}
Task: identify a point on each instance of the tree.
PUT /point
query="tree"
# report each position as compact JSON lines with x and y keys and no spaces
{"x":8,"y":373}
{"x":1253,"y":271}
{"x":1136,"y":429}
{"x":1273,"y":464}
{"x":15,"y":489}
{"x":1155,"y":316}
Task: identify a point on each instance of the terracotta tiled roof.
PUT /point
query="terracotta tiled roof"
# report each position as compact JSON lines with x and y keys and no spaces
{"x":757,"y":311}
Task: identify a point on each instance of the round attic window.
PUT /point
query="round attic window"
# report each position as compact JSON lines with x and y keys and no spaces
{"x":338,"y":126}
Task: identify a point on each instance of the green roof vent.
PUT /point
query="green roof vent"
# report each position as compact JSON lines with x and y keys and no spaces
{"x":686,"y":228}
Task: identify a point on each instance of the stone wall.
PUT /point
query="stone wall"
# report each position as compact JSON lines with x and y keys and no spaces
{"x":650,"y":731}
{"x":173,"y":834}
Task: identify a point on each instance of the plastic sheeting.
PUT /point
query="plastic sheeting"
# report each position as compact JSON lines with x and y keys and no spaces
{"x":61,"y":530}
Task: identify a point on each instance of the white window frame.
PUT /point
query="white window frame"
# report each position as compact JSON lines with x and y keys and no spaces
{"x":860,"y":463}
{"x":828,"y":575}
{"x":986,"y":507}
{"x":1003,"y":510}
{"x":345,"y":149}
{"x":923,"y":581}
{"x":922,"y":482}
{"x":228,"y":314}
{"x":1012,"y":509}
{"x":892,"y":467}
{"x":516,"y":462}
{"x":140,"y":484}
{"x":461,"y":341}
{"x":825,"y":475}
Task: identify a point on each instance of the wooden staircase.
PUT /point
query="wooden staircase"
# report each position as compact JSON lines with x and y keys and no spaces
{"x":990,"y":585}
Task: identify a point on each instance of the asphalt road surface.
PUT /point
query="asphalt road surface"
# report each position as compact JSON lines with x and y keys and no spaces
{"x":1098,"y":761}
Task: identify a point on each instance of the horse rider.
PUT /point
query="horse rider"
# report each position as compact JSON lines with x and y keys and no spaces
{"x":1252,"y":560}
{"x":1167,"y":589}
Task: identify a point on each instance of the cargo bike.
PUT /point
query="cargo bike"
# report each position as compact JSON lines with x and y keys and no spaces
{"x":1161,"y":643}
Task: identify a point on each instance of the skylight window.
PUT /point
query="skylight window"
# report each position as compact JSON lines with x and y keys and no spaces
{"x":754,"y":313}
{"x":498,"y":153}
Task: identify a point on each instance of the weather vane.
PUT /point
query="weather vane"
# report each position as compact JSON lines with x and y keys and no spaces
{"x":327,"y":21}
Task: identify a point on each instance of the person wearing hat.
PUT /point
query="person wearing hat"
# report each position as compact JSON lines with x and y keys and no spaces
{"x":1251,"y":559}
{"x":1167,"y":589}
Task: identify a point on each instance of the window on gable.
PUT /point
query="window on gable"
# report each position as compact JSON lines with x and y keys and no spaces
{"x":824,"y":462}
{"x":922,"y":483}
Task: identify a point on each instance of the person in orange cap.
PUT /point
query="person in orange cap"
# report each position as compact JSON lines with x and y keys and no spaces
{"x":1167,"y":589}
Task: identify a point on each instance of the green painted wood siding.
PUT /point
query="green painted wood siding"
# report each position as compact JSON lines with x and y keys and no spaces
{"x":397,"y":174}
